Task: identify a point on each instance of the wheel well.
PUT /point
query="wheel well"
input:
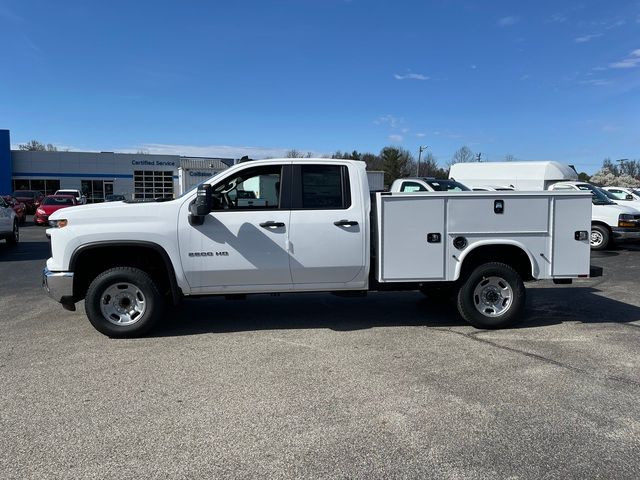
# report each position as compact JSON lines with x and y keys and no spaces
{"x":91,"y":261}
{"x":602,"y":224}
{"x":510,"y":255}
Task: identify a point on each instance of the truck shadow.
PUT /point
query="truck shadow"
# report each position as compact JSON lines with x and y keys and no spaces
{"x":545,"y":306}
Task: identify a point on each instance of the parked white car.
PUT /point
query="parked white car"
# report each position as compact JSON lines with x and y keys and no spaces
{"x":427,"y":184}
{"x":9,"y":229}
{"x":491,"y":188}
{"x":80,"y":198}
{"x":609,"y":221}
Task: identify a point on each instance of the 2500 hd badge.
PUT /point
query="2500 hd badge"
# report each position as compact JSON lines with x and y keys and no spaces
{"x":208,"y":254}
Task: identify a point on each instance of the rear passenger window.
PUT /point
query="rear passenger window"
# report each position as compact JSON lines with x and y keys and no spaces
{"x":325,"y":187}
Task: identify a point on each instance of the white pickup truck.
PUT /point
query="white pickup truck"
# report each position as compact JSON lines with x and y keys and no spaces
{"x":322,"y":230}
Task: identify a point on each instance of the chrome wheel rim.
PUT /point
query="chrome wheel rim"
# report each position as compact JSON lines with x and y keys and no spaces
{"x":493,"y":296}
{"x":596,"y":238}
{"x":123,"y":304}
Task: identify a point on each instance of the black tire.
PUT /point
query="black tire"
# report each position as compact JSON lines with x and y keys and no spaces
{"x":14,"y":237}
{"x":600,"y":237}
{"x":141,"y":296}
{"x":482,"y":296}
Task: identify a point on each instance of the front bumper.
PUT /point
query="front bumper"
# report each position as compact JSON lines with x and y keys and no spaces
{"x":41,"y":219}
{"x":626,"y":233}
{"x":59,"y":286}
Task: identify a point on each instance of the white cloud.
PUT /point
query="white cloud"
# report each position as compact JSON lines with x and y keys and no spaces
{"x":557,"y":18}
{"x":222,"y":151}
{"x":587,"y":38}
{"x":390,"y":120}
{"x":596,"y":82}
{"x":526,"y":76}
{"x":473,"y":67}
{"x":420,"y":135}
{"x":411,"y":76}
{"x":395,"y":138}
{"x":632,"y":61}
{"x":508,"y":21}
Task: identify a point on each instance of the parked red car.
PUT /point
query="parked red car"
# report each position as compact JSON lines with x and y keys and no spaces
{"x":18,"y":207}
{"x":31,"y":198}
{"x":50,"y":204}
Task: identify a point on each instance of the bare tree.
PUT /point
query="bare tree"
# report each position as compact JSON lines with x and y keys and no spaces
{"x":429,"y":167}
{"x":36,"y":146}
{"x":462,"y":155}
{"x":509,"y":158}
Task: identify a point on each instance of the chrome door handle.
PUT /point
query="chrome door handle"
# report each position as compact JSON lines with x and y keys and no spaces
{"x":345,"y":223}
{"x":271,"y":224}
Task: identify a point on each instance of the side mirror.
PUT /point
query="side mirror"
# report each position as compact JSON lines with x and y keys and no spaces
{"x":628,"y":197}
{"x":201,"y":206}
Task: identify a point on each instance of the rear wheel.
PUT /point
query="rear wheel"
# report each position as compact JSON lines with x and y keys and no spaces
{"x":600,"y":237}
{"x":493,"y":296}
{"x":123,"y":302}
{"x":14,"y":237}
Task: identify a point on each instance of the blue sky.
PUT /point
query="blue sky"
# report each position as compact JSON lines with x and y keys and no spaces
{"x":557,"y":80}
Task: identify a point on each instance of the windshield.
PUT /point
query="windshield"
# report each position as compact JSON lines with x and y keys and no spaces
{"x":610,"y":195}
{"x":447,"y":186}
{"x":599,"y":198}
{"x":58,"y":201}
{"x":636,"y":191}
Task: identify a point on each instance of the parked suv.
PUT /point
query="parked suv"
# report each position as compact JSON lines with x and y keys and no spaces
{"x":18,"y":207}
{"x":80,"y":198}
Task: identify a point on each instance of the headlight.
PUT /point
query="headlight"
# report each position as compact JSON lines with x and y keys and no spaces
{"x":40,"y":211}
{"x":58,"y":223}
{"x":627,"y":220}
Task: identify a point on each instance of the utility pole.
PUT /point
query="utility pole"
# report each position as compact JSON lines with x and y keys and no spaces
{"x":479,"y":157}
{"x":420,"y":150}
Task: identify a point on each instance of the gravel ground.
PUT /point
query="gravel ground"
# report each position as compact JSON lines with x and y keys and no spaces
{"x":315,"y":386}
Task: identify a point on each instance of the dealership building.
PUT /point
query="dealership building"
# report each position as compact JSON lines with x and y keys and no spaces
{"x":137,"y":176}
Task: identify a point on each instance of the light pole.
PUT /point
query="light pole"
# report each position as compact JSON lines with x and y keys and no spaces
{"x":420,"y":150}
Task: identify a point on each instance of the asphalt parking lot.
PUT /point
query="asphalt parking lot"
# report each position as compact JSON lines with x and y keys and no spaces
{"x":315,"y":386}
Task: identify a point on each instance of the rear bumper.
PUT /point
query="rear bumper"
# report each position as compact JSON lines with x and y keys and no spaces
{"x":59,"y":286}
{"x":626,"y":233}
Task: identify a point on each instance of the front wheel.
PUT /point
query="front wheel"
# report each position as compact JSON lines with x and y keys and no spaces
{"x":493,"y":296}
{"x":599,"y":238}
{"x":123,"y":302}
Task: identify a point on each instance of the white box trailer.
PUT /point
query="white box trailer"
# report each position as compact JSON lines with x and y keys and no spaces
{"x":519,"y":175}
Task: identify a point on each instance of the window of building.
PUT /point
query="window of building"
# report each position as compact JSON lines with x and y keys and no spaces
{"x":325,"y":187}
{"x":96,"y":190}
{"x":150,"y":184}
{"x":48,"y":186}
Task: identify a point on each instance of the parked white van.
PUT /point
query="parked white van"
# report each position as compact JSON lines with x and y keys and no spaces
{"x":609,"y":220}
{"x":518,"y":175}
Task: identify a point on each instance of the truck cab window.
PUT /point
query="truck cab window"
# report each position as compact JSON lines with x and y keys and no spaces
{"x":325,"y":187}
{"x":252,"y":189}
